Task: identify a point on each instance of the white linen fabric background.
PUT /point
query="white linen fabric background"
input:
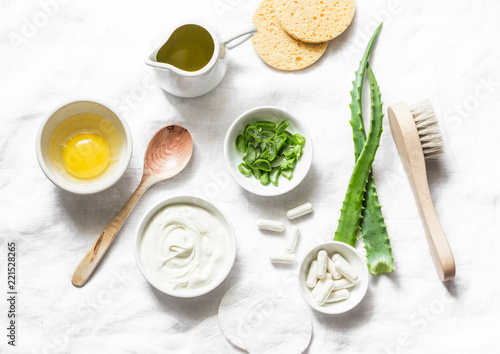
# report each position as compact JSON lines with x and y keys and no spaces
{"x":54,"y":51}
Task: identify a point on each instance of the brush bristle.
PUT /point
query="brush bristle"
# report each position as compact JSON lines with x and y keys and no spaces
{"x":428,"y":129}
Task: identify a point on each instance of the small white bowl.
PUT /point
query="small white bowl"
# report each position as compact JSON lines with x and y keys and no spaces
{"x":234,"y":157}
{"x":231,"y":246}
{"x":357,"y":293}
{"x":64,"y":112}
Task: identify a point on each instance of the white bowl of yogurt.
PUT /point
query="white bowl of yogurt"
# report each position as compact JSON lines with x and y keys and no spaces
{"x":185,"y":247}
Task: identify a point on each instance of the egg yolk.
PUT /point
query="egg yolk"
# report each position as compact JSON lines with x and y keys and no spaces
{"x":86,"y":155}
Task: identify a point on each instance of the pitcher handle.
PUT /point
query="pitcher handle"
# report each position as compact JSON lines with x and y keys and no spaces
{"x":240,"y":36}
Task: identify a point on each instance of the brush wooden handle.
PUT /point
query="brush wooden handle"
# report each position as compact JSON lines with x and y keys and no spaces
{"x":405,"y":134}
{"x":91,"y":260}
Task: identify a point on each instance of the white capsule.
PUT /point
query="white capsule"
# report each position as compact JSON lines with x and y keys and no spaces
{"x":271,"y":225}
{"x":320,"y":284}
{"x":291,"y":239}
{"x":337,"y":295}
{"x":332,"y":270}
{"x":322,"y":264}
{"x":312,"y":279}
{"x":282,"y":258}
{"x":344,"y":267}
{"x":324,"y":291}
{"x":337,"y":256}
{"x":299,"y":211}
{"x":343,"y":283}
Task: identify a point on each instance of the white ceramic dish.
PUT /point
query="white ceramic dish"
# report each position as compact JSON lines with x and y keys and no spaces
{"x":234,"y":157}
{"x":62,"y":113}
{"x":357,"y":293}
{"x":231,"y":246}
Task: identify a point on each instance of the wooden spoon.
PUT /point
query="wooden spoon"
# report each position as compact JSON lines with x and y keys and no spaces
{"x":168,"y":152}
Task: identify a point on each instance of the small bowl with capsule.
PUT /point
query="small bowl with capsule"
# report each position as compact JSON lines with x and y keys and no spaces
{"x":333,"y":278}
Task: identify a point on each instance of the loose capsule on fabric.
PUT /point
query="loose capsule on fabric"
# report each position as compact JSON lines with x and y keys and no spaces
{"x":299,"y":211}
{"x":283,"y":258}
{"x":271,"y":225}
{"x":291,"y":239}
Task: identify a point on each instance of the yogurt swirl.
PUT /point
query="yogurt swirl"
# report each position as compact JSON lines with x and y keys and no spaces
{"x":184,"y":246}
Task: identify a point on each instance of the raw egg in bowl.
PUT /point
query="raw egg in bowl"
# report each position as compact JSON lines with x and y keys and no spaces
{"x":84,"y":147}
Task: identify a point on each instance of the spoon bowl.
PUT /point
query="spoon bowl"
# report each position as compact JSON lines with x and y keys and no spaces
{"x":168,"y":152}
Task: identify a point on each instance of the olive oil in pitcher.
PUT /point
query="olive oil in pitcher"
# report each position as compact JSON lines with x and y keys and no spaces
{"x":189,"y":48}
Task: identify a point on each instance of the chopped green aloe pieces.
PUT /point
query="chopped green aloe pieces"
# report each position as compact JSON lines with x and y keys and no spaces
{"x":289,"y":152}
{"x":300,"y":139}
{"x":297,"y":150}
{"x":267,"y":135}
{"x":251,"y":155}
{"x":271,"y":148}
{"x":282,"y":126}
{"x":282,"y":148}
{"x":290,"y":138}
{"x":244,"y":169}
{"x":262,"y":164}
{"x":275,"y":176}
{"x":254,"y":133}
{"x":256,"y":173}
{"x":279,"y":141}
{"x":288,"y":164}
{"x":264,"y":178}
{"x":287,"y":173}
{"x":264,"y":124}
{"x":240,"y":144}
{"x":270,"y":151}
{"x":246,"y":135}
{"x":277,"y":161}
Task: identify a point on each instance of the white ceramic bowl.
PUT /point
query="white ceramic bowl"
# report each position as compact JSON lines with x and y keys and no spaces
{"x":357,"y":293}
{"x":231,"y":246}
{"x":234,"y":157}
{"x":61,"y":114}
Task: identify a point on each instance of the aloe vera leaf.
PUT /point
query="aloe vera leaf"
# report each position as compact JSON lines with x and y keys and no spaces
{"x":358,"y":127}
{"x":351,"y":212}
{"x":374,"y":231}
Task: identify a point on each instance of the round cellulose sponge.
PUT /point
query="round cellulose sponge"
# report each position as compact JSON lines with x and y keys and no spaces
{"x":314,"y":21}
{"x":276,"y":48}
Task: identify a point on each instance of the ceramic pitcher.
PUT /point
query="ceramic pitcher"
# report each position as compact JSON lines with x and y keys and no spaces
{"x":184,"y":83}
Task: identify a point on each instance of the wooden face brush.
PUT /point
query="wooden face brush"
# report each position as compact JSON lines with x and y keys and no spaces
{"x":417,"y":136}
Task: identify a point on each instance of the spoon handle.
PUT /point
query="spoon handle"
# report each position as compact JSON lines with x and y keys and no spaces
{"x":89,"y":263}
